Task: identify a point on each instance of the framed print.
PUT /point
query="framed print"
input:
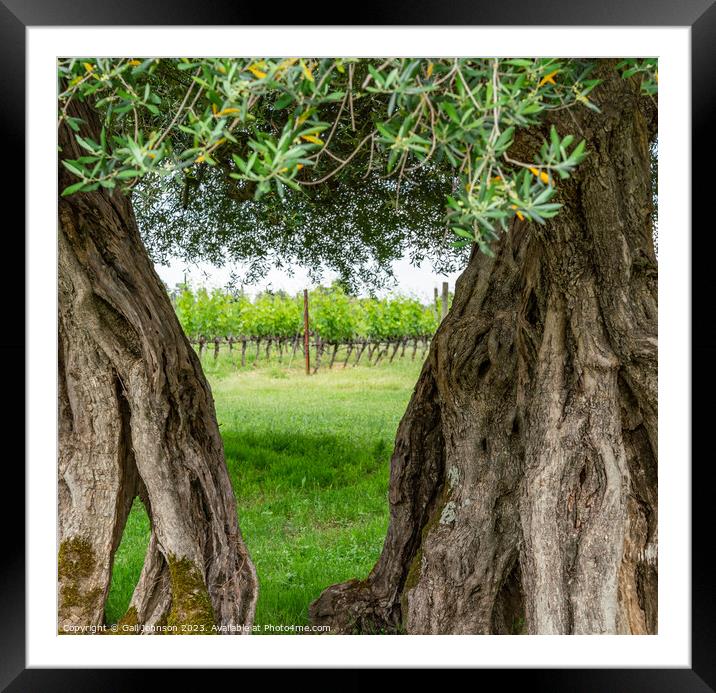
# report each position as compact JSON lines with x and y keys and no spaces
{"x":519,"y":495}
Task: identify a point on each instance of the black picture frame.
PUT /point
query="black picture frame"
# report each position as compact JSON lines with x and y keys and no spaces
{"x":700,"y":15}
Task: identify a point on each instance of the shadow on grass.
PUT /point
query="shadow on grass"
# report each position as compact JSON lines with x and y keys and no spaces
{"x":301,"y":459}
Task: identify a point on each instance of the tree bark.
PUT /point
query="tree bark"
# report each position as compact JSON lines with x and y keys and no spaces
{"x":381,"y":353}
{"x":395,"y":350}
{"x":360,"y":352}
{"x":333,"y":355}
{"x":523,"y":487}
{"x":294,"y":348}
{"x":136,"y":418}
{"x":258,"y":351}
{"x":319,"y":352}
{"x":349,"y":351}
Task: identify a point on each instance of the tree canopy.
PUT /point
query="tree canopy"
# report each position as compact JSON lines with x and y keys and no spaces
{"x":347,"y":163}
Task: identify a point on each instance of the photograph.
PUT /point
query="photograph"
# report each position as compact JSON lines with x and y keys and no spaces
{"x":357,"y":345}
{"x":369,"y":332}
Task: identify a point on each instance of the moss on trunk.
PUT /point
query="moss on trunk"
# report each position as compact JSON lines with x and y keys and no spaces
{"x":191,"y":612}
{"x":78,"y":600}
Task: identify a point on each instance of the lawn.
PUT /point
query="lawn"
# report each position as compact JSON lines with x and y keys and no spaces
{"x":309,"y":461}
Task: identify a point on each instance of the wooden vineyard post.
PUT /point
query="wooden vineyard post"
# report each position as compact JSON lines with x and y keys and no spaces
{"x":445,"y":300}
{"x":306,"y":348}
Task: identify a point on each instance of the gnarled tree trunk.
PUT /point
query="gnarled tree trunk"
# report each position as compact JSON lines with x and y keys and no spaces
{"x":523,"y":489}
{"x":136,"y":418}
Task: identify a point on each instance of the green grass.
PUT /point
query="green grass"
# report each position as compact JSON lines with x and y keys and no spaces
{"x":309,"y":462}
{"x":128,"y":562}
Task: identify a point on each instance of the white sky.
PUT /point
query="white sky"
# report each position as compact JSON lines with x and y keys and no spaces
{"x":417,"y":281}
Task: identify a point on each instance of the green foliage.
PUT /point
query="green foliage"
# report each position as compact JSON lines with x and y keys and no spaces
{"x":397,"y":317}
{"x":269,"y":315}
{"x":646,"y":70}
{"x":334,"y":315}
{"x":209,"y":314}
{"x":289,"y":140}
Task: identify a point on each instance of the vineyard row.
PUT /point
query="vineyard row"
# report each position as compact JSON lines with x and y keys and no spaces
{"x":333,"y":316}
{"x":324,"y":352}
